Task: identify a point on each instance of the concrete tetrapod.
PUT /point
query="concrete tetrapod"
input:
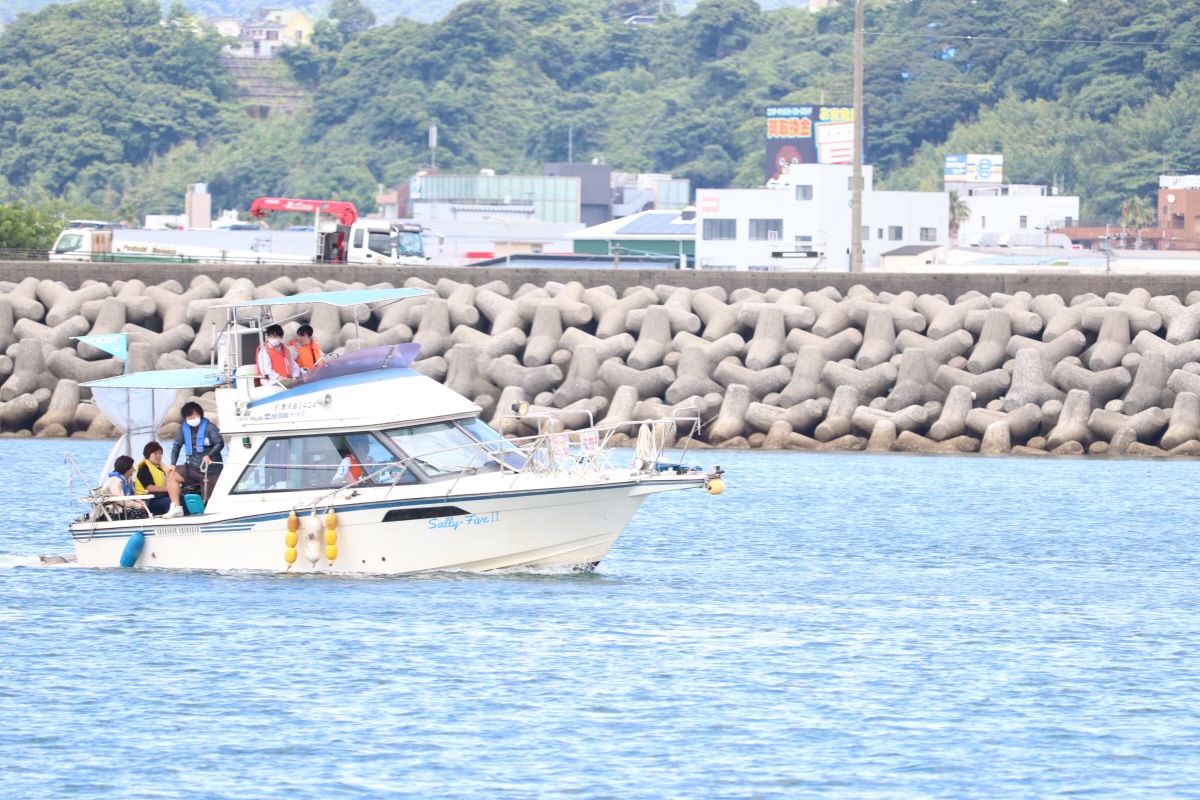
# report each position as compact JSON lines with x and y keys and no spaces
{"x":463,"y":374}
{"x":731,"y":419}
{"x":532,"y":380}
{"x":621,"y":408}
{"x":653,"y":340}
{"x":619,"y":346}
{"x":61,"y":303}
{"x":1068,"y":343}
{"x":583,"y":379}
{"x":501,"y":311}
{"x":1058,"y":316}
{"x":1135,"y":304}
{"x":914,"y":381}
{"x":944,"y":318}
{"x":1029,"y":384}
{"x":61,"y":411}
{"x":800,"y":417}
{"x":806,"y":383}
{"x":18,"y":413}
{"x":24,"y":301}
{"x":510,"y":342}
{"x":760,"y":382}
{"x":997,"y":439}
{"x":610,"y":313}
{"x":7,"y":323}
{"x":1176,"y":354}
{"x":913,"y":418}
{"x":794,"y":316}
{"x":1149,"y":384}
{"x":838,"y":418}
{"x":869,"y":383}
{"x":648,"y":382}
{"x":544,"y":335}
{"x":900,"y":308}
{"x":1183,"y":381}
{"x":678,"y":302}
{"x":1185,"y":421}
{"x":1102,"y":386}
{"x":1072,"y":421}
{"x":879,"y":339}
{"x":985,"y":387}
{"x":837,"y":347}
{"x":180,"y":337}
{"x":57,"y":338}
{"x":952,"y":344}
{"x":1112,"y":341}
{"x":29,"y":367}
{"x":883,"y":436}
{"x":953,"y":421}
{"x":1184,"y":326}
{"x":1146,"y":424}
{"x":991,"y":347}
{"x":767,"y":345}
{"x":1023,"y":422}
{"x":691,"y":377}
{"x":1023,"y":321}
{"x":434,"y":332}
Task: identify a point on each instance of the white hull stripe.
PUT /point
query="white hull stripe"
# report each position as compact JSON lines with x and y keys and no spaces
{"x":241,"y":524}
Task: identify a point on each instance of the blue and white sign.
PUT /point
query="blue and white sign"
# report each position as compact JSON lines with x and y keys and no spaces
{"x":974,"y":168}
{"x":115,"y":344}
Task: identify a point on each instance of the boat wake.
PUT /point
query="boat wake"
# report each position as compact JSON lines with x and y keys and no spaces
{"x":14,"y":560}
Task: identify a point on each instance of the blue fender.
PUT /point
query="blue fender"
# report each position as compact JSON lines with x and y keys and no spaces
{"x":133,"y":549}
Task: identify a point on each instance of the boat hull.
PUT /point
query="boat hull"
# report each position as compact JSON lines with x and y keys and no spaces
{"x":549,"y":526}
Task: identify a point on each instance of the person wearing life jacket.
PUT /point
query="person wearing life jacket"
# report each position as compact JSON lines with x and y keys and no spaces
{"x":275,"y":362}
{"x":307,"y":351}
{"x":200,"y":441}
{"x":150,"y":479}
{"x":350,"y":470}
{"x":119,"y":483}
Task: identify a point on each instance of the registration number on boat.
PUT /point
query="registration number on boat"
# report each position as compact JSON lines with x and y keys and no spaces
{"x":179,"y":530}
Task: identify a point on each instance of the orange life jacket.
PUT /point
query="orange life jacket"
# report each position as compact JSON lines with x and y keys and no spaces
{"x":280,"y":361}
{"x":306,"y":355}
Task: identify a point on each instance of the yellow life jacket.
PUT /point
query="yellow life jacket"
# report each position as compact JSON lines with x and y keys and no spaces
{"x":160,"y":476}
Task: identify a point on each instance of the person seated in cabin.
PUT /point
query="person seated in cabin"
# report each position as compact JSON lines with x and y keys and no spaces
{"x":201,"y":443}
{"x":275,"y":362}
{"x":305,"y":349}
{"x":119,"y":483}
{"x":350,"y":470}
{"x":150,"y":479}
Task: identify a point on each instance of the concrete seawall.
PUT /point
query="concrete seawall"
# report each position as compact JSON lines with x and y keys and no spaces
{"x":921,"y":363}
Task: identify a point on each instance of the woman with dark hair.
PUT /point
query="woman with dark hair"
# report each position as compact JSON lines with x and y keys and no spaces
{"x":150,"y":479}
{"x":119,"y":483}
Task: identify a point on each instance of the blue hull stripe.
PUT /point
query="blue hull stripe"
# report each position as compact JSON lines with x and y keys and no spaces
{"x":246,"y":523}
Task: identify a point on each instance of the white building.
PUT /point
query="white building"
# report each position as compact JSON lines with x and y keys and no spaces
{"x":997,"y":210}
{"x":804,"y":222}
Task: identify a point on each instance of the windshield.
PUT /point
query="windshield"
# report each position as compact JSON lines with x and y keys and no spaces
{"x":430,"y":445}
{"x":410,"y":243}
{"x":68,"y":242}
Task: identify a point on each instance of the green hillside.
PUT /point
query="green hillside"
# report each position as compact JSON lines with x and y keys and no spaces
{"x":1097,"y":98}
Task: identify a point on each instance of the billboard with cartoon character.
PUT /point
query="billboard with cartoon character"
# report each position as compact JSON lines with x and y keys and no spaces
{"x":808,"y":135}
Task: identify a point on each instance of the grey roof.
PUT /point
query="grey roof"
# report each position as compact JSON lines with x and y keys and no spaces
{"x":659,"y":224}
{"x":912,"y":249}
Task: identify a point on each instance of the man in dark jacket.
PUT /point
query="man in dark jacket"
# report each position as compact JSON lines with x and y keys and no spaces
{"x":202,"y":444}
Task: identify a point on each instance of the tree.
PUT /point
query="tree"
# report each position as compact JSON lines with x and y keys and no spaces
{"x":960,"y":212}
{"x":352,"y":17}
{"x":1136,"y":214}
{"x":25,"y":227}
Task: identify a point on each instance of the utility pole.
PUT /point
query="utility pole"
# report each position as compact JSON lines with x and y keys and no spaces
{"x":856,"y":181}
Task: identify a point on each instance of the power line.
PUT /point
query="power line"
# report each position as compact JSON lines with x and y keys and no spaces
{"x":971,"y":37}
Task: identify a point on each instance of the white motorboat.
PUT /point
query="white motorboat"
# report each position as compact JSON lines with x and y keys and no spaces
{"x":434,"y":487}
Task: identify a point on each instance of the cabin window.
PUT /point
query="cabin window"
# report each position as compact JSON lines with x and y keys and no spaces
{"x":323,"y":461}
{"x":69,"y":242}
{"x":380,"y":242}
{"x":358,"y":238}
{"x":440,"y":448}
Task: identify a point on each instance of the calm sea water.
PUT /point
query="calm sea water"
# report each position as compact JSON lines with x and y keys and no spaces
{"x":834,"y":626}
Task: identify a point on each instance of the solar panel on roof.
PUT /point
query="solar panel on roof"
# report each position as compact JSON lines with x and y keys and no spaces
{"x":658,"y":225}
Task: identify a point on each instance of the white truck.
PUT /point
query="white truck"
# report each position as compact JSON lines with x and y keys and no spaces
{"x":342,"y":239}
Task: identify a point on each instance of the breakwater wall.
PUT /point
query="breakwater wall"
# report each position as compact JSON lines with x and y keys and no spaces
{"x":823,"y":368}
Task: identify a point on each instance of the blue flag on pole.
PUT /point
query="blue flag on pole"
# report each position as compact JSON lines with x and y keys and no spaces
{"x":115,"y":343}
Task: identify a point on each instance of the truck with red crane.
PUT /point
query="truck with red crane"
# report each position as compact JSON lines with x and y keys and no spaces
{"x":337,"y":236}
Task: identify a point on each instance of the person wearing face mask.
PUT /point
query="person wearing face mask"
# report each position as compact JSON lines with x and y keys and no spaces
{"x":201,"y":443}
{"x":275,"y":362}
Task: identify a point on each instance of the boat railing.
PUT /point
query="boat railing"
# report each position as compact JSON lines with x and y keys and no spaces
{"x":543,"y":454}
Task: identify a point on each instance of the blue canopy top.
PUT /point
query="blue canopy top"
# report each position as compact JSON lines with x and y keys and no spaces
{"x":163,"y":379}
{"x":346,"y":297}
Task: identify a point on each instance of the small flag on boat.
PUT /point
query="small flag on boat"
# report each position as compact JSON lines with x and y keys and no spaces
{"x":116,"y":344}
